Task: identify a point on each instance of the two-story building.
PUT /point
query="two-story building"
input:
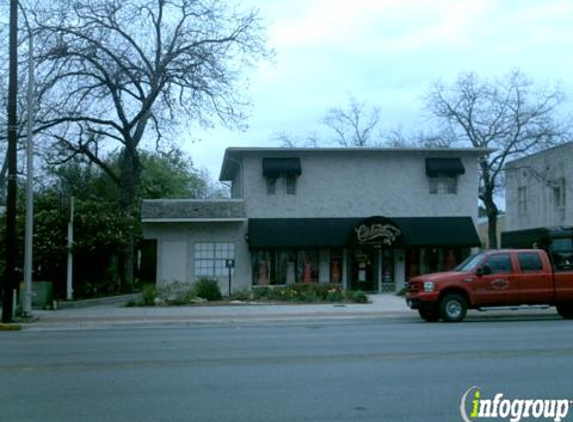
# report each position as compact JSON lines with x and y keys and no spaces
{"x":539,"y":189}
{"x":367,"y":218}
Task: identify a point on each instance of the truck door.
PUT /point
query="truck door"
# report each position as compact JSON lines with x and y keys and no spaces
{"x":533,"y":281}
{"x":497,"y":284}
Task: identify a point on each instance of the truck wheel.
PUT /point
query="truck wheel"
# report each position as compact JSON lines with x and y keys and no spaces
{"x":453,"y":308}
{"x":429,"y":315}
{"x":565,"y":310}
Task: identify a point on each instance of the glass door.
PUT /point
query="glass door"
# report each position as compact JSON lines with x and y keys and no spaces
{"x":363,"y":270}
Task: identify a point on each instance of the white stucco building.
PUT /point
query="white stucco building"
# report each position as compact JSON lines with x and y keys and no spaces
{"x":539,"y":189}
{"x":366,"y":218}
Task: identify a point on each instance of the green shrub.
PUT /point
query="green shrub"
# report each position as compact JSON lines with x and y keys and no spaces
{"x":149,"y":294}
{"x":208,"y":288}
{"x":309,"y":293}
{"x":356,"y":296}
{"x":176,"y":293}
{"x":243,"y":294}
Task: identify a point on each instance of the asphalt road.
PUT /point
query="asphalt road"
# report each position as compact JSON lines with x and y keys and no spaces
{"x":361,"y":370}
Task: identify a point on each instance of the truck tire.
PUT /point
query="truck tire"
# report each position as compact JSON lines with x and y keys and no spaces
{"x":453,"y":308}
{"x":565,"y":310}
{"x":429,"y":315}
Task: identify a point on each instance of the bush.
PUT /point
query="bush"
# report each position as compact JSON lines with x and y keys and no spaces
{"x":243,"y":294}
{"x":148,"y":294}
{"x":310,"y":293}
{"x":357,"y":296}
{"x":208,"y":288}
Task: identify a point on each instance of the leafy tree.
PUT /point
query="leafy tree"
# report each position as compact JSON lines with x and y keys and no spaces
{"x":121,"y":71}
{"x":507,"y":118}
{"x":99,"y":233}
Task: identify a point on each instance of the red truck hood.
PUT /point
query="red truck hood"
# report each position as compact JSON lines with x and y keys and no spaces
{"x":444,"y":276}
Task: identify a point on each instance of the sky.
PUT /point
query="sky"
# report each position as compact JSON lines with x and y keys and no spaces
{"x":386,"y":53}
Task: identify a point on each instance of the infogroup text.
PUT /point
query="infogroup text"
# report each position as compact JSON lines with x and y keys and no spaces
{"x":474,"y":407}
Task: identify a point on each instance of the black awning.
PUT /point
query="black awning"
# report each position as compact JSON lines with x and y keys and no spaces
{"x":450,"y":167}
{"x":275,"y":167}
{"x":270,"y":233}
{"x":438,"y":231}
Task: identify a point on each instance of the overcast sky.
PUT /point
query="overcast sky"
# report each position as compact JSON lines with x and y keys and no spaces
{"x":387,"y":53}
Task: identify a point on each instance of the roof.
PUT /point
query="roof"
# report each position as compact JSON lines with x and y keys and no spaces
{"x":192,"y":210}
{"x":233,"y":154}
{"x":540,"y":153}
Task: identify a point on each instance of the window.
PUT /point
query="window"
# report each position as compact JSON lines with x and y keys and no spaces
{"x":443,"y":185}
{"x":522,"y":200}
{"x":277,"y":267}
{"x":500,"y":263}
{"x":291,"y":185}
{"x":210,"y":258}
{"x":529,"y":262}
{"x":271,"y":186}
{"x":559,"y":193}
{"x":281,"y":185}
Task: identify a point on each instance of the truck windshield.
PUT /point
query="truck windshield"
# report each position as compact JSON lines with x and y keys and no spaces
{"x":469,"y":264}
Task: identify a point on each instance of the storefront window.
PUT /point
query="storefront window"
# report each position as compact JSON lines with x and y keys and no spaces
{"x":336,"y":257}
{"x":430,"y":260}
{"x":307,"y":266}
{"x":278,"y":267}
{"x":261,"y":268}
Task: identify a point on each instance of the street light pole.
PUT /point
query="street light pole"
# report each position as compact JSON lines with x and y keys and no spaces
{"x":10,"y":274}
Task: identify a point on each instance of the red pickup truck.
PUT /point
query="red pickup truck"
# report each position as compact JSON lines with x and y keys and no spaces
{"x":497,"y":278}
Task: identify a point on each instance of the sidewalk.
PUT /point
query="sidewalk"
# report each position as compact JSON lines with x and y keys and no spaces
{"x":116,"y":315}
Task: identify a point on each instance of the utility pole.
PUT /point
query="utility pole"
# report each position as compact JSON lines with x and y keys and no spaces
{"x":29,"y":232}
{"x":70,"y":268}
{"x":10,"y":273}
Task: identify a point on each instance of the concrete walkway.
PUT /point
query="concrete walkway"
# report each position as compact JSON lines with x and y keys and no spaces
{"x":381,"y":306}
{"x":117,"y":315}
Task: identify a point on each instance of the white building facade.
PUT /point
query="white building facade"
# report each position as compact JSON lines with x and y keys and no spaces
{"x":539,"y":190}
{"x":368,"y":218}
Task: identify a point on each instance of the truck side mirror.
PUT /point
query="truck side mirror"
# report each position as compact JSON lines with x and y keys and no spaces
{"x":479,"y":272}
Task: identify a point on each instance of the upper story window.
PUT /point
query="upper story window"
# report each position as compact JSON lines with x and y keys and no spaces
{"x":443,"y":175}
{"x":281,"y":175}
{"x":443,"y":185}
{"x":559,"y":193}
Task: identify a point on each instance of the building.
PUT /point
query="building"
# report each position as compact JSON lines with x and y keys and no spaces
{"x":539,"y":189}
{"x":367,"y":218}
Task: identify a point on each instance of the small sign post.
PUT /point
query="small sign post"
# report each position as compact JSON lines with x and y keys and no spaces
{"x":230,"y":264}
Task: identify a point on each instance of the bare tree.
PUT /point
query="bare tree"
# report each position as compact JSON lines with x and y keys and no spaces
{"x":121,"y":71}
{"x":288,"y":140}
{"x":509,"y":116}
{"x":398,"y":138}
{"x":354,"y":124}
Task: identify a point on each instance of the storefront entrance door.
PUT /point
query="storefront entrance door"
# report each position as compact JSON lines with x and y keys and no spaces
{"x":363,"y":270}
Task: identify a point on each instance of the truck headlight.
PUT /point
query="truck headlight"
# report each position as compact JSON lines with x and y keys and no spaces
{"x":428,"y":286}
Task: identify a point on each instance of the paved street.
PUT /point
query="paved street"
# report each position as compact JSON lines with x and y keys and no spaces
{"x":368,"y":369}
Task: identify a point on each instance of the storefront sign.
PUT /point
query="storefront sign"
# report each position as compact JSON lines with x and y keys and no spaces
{"x":382,"y":233}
